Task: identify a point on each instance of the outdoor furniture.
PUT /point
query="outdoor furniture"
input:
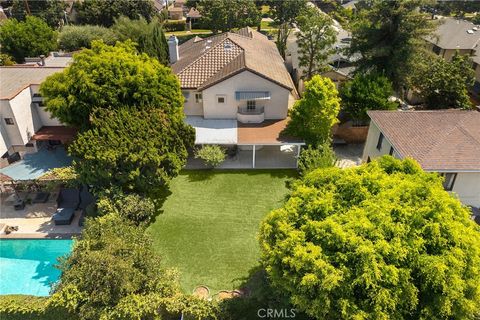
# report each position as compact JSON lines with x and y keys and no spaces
{"x":68,"y":198}
{"x":19,"y":204}
{"x":41,"y":197}
{"x":63,"y":216}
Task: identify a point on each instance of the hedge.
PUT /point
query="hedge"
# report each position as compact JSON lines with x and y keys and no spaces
{"x":175,"y":25}
{"x":24,"y":307}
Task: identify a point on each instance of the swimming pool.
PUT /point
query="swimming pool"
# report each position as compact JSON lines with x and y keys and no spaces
{"x":27,"y":266}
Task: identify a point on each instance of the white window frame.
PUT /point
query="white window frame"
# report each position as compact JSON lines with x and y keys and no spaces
{"x":251,"y":104}
{"x":9,"y":121}
{"x":224,"y":97}
{"x":198,"y":97}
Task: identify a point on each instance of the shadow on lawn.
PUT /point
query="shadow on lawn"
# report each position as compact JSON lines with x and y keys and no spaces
{"x":207,"y":174}
{"x":159,"y":196}
{"x":260,"y":296}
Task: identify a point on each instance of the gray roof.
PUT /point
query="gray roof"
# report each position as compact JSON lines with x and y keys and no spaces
{"x":205,"y":62}
{"x":14,"y":79}
{"x":454,"y":34}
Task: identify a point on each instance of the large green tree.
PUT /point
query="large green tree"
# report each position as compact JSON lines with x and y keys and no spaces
{"x":225,"y":15}
{"x":313,"y":116}
{"x":285,"y":14}
{"x":389,"y":35}
{"x":444,"y":84}
{"x":29,"y":38}
{"x":73,"y":38}
{"x":379,"y":241}
{"x":315,"y":38}
{"x":51,"y":11}
{"x":114,"y":273}
{"x":111,"y":77}
{"x":366,"y":92}
{"x":136,"y":150}
{"x":104,"y":12}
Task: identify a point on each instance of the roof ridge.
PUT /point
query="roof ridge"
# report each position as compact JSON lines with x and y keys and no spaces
{"x":203,"y":53}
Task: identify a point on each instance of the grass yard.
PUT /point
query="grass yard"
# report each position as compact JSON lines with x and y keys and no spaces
{"x":209,"y":225}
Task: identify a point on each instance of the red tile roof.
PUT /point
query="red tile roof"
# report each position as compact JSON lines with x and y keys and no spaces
{"x":442,"y":140}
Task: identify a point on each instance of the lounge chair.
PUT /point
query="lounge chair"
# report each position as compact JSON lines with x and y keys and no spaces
{"x":68,"y":198}
{"x":63,"y":216}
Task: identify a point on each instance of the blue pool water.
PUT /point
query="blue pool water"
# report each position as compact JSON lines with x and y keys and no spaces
{"x":27,"y":266}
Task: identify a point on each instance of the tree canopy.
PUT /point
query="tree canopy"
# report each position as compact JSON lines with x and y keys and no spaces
{"x":225,"y":15}
{"x":444,"y":84}
{"x":104,"y":12}
{"x":111,"y":77}
{"x":50,"y":11}
{"x":379,"y":241}
{"x":315,"y":39}
{"x":389,"y":35}
{"x":135,"y":150}
{"x":366,"y":92}
{"x":313,"y":116}
{"x":29,"y":38}
{"x":73,"y":38}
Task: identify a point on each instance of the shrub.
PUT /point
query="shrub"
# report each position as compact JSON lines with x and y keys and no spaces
{"x":73,"y":38}
{"x":312,"y":158}
{"x":174,"y":25}
{"x":23,"y":307}
{"x":6,"y":60}
{"x":213,"y":155}
{"x":131,"y":207}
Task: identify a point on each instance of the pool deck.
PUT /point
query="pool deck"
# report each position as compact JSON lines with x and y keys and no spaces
{"x":35,"y":221}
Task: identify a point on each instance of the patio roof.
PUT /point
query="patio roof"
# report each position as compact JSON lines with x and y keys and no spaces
{"x":55,"y":133}
{"x":213,"y":131}
{"x":268,"y":132}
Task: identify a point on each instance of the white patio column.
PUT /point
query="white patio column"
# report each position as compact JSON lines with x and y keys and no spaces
{"x":299,"y":147}
{"x":253,"y":159}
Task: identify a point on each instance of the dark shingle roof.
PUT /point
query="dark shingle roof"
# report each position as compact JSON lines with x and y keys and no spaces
{"x":439,"y":140}
{"x":205,"y":62}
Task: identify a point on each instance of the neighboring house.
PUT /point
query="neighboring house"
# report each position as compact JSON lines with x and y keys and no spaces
{"x":23,"y":119}
{"x":237,"y":91}
{"x":454,"y":35}
{"x":443,"y":141}
{"x":177,"y":10}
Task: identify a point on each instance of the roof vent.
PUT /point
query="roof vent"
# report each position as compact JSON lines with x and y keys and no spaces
{"x":475,"y":28}
{"x":470,"y":31}
{"x":227,"y":46}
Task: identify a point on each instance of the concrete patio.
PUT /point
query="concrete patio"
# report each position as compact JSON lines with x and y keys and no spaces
{"x":35,"y":220}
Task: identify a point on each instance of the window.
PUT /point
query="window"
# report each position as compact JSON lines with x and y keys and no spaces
{"x":437,"y":49}
{"x":220,"y":99}
{"x":9,"y":121}
{"x":198,"y":97}
{"x":186,"y":95}
{"x":449,"y":180}
{"x":380,"y":141}
{"x":391,"y":151}
{"x":251,"y":104}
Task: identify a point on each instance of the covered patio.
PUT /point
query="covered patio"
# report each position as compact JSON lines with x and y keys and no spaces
{"x":251,"y":146}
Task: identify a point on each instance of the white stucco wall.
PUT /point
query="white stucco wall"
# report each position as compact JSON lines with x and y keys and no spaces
{"x":467,"y":187}
{"x":26,"y":118}
{"x":275,"y":108}
{"x":190,"y":106}
{"x":370,"y":149}
{"x":44,"y":116}
{"x":467,"y":184}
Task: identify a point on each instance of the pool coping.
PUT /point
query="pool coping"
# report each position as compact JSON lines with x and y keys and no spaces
{"x":37,"y":236}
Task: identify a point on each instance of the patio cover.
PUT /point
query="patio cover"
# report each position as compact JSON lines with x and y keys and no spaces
{"x":213,"y":131}
{"x":252,"y":95}
{"x":269,"y":132}
{"x":55,"y":133}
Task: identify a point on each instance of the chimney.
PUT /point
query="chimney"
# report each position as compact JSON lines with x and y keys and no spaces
{"x":42,"y":60}
{"x":173,"y":49}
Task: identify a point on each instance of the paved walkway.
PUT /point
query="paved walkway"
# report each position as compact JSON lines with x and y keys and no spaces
{"x":349,"y":155}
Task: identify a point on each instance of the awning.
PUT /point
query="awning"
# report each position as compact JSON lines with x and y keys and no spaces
{"x":252,"y":95}
{"x":61,"y":133}
{"x":213,"y":131}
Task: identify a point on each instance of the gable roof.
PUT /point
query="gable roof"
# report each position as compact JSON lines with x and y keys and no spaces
{"x":442,"y":140}
{"x":454,"y":33}
{"x":205,"y":62}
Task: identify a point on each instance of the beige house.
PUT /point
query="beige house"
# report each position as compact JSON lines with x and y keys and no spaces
{"x":237,"y":92}
{"x":443,"y":141}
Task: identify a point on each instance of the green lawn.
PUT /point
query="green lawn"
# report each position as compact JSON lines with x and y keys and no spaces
{"x":208,"y":228}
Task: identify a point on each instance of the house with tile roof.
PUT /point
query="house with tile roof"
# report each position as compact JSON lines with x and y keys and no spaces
{"x":237,"y":92}
{"x":443,"y":141}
